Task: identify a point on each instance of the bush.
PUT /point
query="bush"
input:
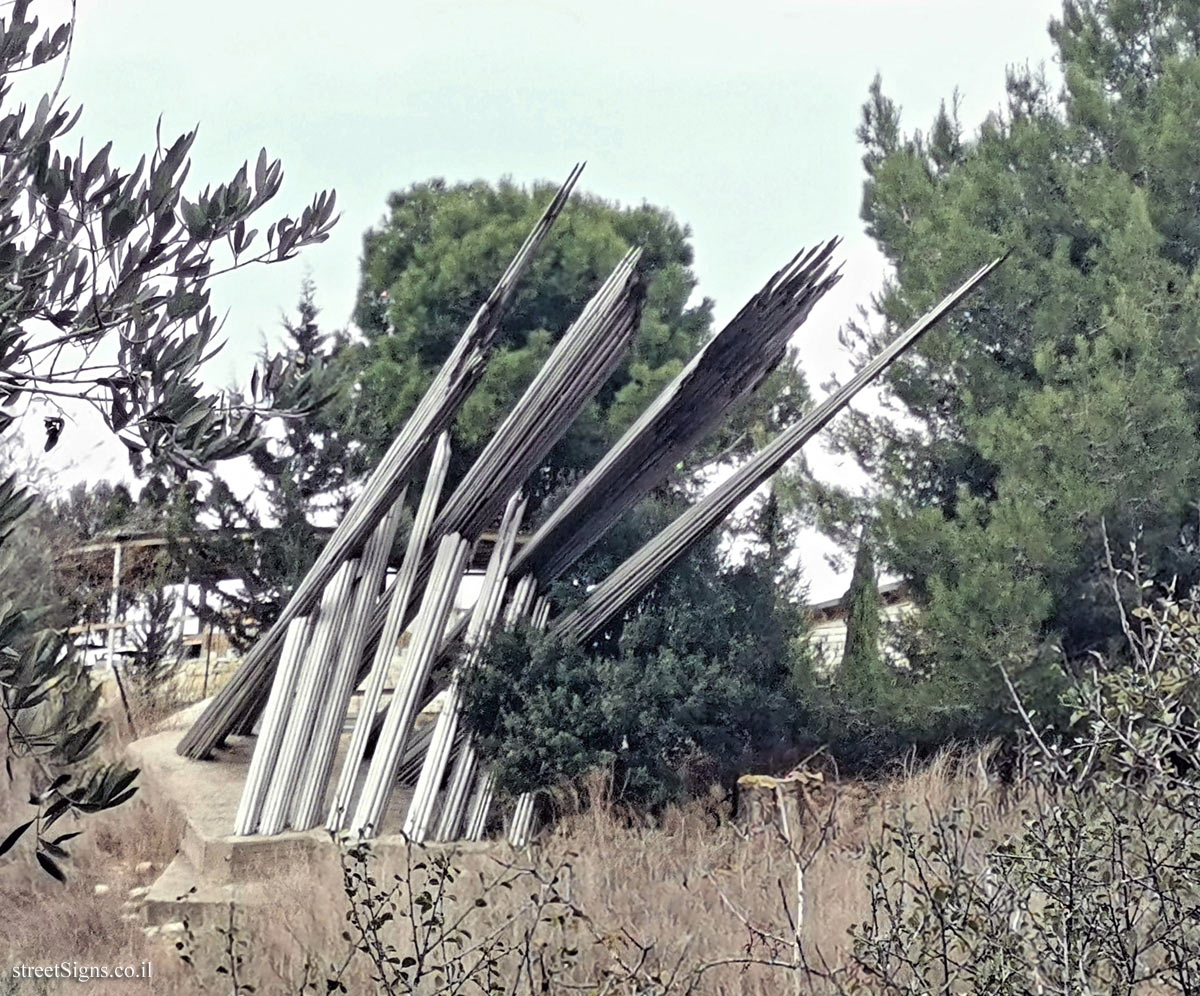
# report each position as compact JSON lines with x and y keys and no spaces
{"x":691,"y":688}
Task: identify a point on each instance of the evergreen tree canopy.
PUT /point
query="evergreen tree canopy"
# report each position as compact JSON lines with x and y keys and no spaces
{"x":434,"y":258}
{"x":1065,"y":397}
{"x":861,"y":675}
{"x":303,"y":466}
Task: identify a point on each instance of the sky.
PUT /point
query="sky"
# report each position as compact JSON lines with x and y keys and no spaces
{"x":738,"y":117}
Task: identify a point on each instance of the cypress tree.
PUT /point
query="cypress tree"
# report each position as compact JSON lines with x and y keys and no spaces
{"x":862,"y":676}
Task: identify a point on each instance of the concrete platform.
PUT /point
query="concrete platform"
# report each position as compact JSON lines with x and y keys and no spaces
{"x":213,"y":867}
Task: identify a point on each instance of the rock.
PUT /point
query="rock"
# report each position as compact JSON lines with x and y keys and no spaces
{"x":100,"y":889}
{"x":176,"y":927}
{"x":137,"y":892}
{"x":130,"y":917}
{"x":144,"y":867}
{"x":151,"y":931}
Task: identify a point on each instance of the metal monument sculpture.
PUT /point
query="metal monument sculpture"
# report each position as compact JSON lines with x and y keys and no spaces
{"x":342,"y":625}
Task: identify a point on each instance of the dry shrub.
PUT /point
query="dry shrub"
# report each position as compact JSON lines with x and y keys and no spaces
{"x":689,"y":898}
{"x":689,"y":893}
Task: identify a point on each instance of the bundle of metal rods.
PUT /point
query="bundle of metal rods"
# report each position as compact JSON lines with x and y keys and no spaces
{"x":290,"y":789}
{"x":289,"y":769}
{"x":579,"y":365}
{"x":241,"y":698}
{"x":584,"y":359}
{"x":438,"y":600}
{"x":730,"y":367}
{"x":483,"y":620}
{"x":642,"y":568}
{"x":398,"y":600}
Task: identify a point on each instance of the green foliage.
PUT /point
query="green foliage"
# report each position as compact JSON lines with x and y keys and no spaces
{"x":267,"y":540}
{"x":48,"y":701}
{"x":435,"y":257}
{"x":693,"y":685}
{"x":91,"y":254}
{"x":866,"y":712}
{"x":94,"y":507}
{"x":154,"y":641}
{"x":35,"y":569}
{"x":104,"y":303}
{"x":1066,"y":392}
{"x":862,"y":676}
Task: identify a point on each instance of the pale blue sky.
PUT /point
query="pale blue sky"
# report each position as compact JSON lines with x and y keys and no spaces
{"x":738,"y":117}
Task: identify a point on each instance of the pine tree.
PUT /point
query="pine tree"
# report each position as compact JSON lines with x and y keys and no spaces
{"x":1065,"y":397}
{"x":265,"y":541}
{"x":435,"y":256}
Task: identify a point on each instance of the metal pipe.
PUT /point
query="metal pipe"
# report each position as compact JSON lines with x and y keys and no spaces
{"x":309,"y":689}
{"x":483,"y":619}
{"x":347,"y":654}
{"x":270,"y":736}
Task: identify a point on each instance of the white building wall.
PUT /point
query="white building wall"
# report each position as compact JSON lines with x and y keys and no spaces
{"x":828,"y":637}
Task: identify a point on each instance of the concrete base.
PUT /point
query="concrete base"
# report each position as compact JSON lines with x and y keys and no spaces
{"x":214,"y":868}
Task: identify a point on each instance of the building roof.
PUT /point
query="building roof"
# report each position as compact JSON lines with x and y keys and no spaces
{"x":890,"y":592}
{"x":126,"y":538}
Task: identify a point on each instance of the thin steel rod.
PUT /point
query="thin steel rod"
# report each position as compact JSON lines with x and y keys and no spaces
{"x":461,"y":776}
{"x":522,"y":819}
{"x":481,"y":804}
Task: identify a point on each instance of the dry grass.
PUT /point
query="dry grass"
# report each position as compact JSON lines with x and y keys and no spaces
{"x":689,"y":889}
{"x":702,"y":890}
{"x":47,"y":923}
